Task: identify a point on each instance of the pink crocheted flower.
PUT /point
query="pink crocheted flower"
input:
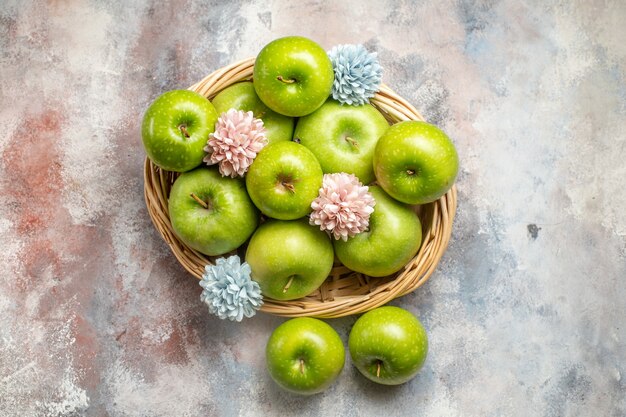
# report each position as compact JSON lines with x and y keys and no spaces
{"x":343,"y":206}
{"x":237,"y":139}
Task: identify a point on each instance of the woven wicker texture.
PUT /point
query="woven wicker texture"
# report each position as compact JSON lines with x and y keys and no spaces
{"x":344,"y":292}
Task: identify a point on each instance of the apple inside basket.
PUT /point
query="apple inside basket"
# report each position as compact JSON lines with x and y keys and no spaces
{"x":344,"y":292}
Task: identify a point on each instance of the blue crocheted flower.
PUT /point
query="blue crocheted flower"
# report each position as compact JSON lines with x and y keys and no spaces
{"x":228,"y":290}
{"x":357,"y":74}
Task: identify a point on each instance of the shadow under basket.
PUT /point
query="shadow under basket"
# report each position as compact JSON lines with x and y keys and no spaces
{"x":344,"y":292}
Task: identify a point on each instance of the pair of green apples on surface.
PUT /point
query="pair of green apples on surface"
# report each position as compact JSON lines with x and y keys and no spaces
{"x":412,"y":162}
{"x":388,"y":345}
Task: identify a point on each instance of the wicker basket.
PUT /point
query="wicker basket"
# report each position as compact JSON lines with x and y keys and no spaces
{"x":345,"y":292}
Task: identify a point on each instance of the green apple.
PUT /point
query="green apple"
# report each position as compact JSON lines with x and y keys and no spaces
{"x":304,"y":355}
{"x":210,"y":213}
{"x":176,"y":128}
{"x":393,"y":238}
{"x":388,"y":345}
{"x":343,"y":138}
{"x":289,"y":259}
{"x":283,"y":180}
{"x":293,"y":76}
{"x":241,"y":96}
{"x":415,"y":162}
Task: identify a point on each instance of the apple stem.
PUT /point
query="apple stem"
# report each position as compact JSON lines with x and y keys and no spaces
{"x":258,"y":116}
{"x":410,"y":171}
{"x":378,"y":369}
{"x":301,"y":365}
{"x":289,"y":186}
{"x":352,"y":142}
{"x":288,"y":284}
{"x":183,"y":129}
{"x":201,"y":202}
{"x":285,"y":80}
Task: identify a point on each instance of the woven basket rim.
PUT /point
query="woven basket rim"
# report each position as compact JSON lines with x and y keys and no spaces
{"x":370,"y":293}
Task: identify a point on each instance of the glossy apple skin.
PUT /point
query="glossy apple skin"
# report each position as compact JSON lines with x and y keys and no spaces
{"x":241,"y":96}
{"x":393,"y":238}
{"x":230,"y":221}
{"x":293,"y":58}
{"x":315,"y":343}
{"x":164,"y":142}
{"x":343,"y":138}
{"x":392,"y":337}
{"x":279,"y":164}
{"x":415,"y":162}
{"x":279,"y":250}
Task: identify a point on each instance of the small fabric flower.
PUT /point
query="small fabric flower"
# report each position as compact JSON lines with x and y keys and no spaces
{"x":228,"y":290}
{"x":357,"y":74}
{"x":237,"y":139}
{"x":343,"y":206}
